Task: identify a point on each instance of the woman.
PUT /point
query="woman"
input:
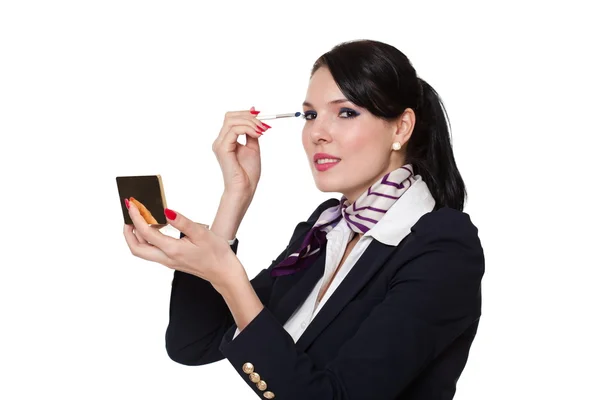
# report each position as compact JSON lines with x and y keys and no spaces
{"x":377,"y":295}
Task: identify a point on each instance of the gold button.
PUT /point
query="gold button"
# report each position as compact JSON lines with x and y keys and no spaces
{"x":254,"y":377}
{"x":248,"y":368}
{"x":269,"y":395}
{"x":262,"y":385}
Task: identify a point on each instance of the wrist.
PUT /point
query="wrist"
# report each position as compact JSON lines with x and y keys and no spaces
{"x":232,"y":279}
{"x":241,"y":299}
{"x":231,"y":211}
{"x":236,"y":197}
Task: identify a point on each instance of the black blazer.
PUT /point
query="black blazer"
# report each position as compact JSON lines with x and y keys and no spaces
{"x":399,"y":326}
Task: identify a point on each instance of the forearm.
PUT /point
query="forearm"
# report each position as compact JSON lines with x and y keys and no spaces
{"x":241,"y":299}
{"x":231,"y":212}
{"x":195,"y":329}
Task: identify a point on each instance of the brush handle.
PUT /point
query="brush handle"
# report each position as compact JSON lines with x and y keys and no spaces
{"x":275,"y":116}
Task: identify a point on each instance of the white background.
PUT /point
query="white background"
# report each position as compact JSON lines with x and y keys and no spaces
{"x":90,"y":90}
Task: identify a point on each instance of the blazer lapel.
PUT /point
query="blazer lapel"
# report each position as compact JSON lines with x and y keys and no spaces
{"x":367,"y":265}
{"x":297,"y":287}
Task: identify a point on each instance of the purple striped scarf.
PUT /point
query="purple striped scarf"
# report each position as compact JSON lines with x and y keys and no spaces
{"x":360,"y":216}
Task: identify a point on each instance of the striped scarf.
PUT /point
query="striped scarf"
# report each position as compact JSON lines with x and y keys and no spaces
{"x":360,"y":216}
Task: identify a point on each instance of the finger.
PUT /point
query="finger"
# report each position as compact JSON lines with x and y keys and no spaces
{"x":240,"y":113}
{"x":236,"y":117}
{"x":229,"y":141}
{"x":261,"y":125}
{"x":254,"y":124}
{"x":130,"y":236}
{"x":148,"y":252}
{"x":252,"y":143}
{"x":136,"y":237}
{"x":147,"y":233}
{"x":235,"y":131}
{"x":131,"y":233}
{"x":144,"y":212}
{"x":192,"y":230}
{"x":133,"y":242}
{"x":252,"y":112}
{"x":139,"y":237}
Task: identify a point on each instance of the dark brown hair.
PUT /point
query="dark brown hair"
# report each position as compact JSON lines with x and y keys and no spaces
{"x":381,"y":79}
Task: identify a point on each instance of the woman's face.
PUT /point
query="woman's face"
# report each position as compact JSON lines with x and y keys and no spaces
{"x":355,"y":147}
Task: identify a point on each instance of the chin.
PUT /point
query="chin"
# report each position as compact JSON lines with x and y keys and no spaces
{"x":329,"y":185}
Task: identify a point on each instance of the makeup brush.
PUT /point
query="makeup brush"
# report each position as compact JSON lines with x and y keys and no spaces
{"x":276,"y":116}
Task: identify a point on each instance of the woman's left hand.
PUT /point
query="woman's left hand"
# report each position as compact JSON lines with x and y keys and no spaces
{"x":201,"y":252}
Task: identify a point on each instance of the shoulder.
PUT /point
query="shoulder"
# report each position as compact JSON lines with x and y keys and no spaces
{"x":446,"y":224}
{"x":442,"y":266}
{"x":450,"y":237}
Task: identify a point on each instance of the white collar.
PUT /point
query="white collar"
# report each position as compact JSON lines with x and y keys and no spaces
{"x":397,"y":222}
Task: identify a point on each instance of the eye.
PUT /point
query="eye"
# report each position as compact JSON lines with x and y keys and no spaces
{"x":349,"y":113}
{"x":310,"y":115}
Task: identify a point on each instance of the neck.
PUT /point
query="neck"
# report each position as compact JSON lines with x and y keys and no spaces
{"x":353,"y":195}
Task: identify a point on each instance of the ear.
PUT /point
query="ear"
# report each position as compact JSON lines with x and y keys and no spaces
{"x":404,"y":126}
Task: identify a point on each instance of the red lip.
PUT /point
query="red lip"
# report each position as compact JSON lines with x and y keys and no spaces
{"x":319,"y":156}
{"x":324,"y":167}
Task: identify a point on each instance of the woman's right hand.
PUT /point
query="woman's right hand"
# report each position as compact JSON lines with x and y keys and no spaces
{"x":240,"y":164}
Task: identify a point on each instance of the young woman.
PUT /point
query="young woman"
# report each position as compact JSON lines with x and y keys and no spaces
{"x":377,"y":295}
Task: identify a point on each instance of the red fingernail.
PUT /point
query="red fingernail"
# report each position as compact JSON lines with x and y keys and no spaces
{"x":259,"y":132}
{"x":253,"y":111}
{"x":268,"y":126}
{"x":260,"y":128}
{"x":170,"y":214}
{"x":127,"y":203}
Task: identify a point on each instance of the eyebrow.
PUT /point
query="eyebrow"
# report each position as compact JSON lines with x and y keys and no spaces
{"x":307,"y":104}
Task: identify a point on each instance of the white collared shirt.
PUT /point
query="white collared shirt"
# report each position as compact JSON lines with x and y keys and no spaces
{"x":390,"y":230}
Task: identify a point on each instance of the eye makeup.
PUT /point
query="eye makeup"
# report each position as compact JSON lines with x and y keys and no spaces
{"x":350,"y":113}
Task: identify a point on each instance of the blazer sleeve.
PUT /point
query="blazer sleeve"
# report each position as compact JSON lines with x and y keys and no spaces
{"x":198,"y":315}
{"x":433,"y":298}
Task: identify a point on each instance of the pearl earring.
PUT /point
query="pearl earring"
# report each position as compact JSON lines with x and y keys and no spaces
{"x":396,"y":146}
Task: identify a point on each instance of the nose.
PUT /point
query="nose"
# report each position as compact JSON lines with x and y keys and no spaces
{"x":319,"y":132}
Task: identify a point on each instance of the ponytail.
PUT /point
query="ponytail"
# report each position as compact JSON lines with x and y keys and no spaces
{"x":430,"y":152}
